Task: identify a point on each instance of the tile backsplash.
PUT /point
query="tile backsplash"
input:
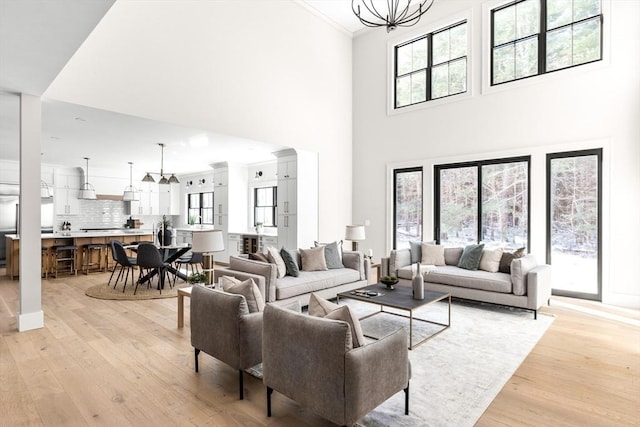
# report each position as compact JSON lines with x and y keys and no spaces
{"x":97,"y":214}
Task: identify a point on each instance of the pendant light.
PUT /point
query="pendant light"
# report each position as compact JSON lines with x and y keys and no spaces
{"x":130,"y":192}
{"x":163,"y":180}
{"x":87,"y":191}
{"x":45,"y":191}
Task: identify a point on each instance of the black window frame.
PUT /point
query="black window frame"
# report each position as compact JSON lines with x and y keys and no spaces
{"x":428,"y":66}
{"x":200,"y":209}
{"x":274,"y":207}
{"x":395,"y":198}
{"x":541,"y":36}
{"x":478,"y":164}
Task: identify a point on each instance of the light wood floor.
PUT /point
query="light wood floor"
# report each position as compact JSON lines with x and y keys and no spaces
{"x":125,"y":363}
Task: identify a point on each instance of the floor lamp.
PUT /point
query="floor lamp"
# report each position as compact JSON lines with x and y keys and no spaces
{"x":207,"y":242}
{"x":355,"y":233}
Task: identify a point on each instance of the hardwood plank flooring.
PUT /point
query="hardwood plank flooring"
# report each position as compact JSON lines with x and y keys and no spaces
{"x":126,"y":363}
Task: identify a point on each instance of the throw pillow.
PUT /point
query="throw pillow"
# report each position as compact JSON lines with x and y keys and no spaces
{"x":470,"y":259}
{"x":274,"y":257}
{"x":250,"y":291}
{"x":345,"y":314}
{"x":432,"y":254}
{"x":319,"y":306}
{"x":258,"y":256}
{"x":507,"y":257}
{"x":490,"y":260}
{"x":452,"y":255}
{"x":228,"y":281}
{"x":290,"y":262}
{"x":415,"y":248}
{"x":332,"y":254}
{"x":313,"y":259}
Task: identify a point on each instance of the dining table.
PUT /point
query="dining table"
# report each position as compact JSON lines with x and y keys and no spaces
{"x":170,"y":254}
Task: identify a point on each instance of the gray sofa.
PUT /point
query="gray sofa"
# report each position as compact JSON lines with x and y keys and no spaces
{"x":288,"y":289}
{"x":528,"y":285}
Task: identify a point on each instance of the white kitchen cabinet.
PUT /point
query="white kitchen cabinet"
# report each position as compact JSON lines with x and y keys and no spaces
{"x":297,"y":198}
{"x":184,"y":237}
{"x":266,"y":241}
{"x":67,"y":183}
{"x":148,"y":201}
{"x":221,"y":200}
{"x":235,"y":243}
{"x":169,"y":199}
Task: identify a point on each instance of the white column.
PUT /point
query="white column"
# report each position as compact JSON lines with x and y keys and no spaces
{"x":30,"y":315}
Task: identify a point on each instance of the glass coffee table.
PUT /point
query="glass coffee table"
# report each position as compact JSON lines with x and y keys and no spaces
{"x":401,"y":298}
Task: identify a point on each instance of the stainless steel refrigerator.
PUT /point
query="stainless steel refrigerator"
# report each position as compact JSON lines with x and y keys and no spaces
{"x":10,"y":214}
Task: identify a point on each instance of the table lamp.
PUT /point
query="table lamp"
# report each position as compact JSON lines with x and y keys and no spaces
{"x":355,"y":233}
{"x":207,"y":242}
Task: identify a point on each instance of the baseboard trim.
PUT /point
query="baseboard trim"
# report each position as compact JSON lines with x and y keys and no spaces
{"x":30,"y":321}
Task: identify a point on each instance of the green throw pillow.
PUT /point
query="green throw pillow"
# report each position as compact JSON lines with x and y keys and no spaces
{"x":471,"y":255}
{"x":290,"y":262}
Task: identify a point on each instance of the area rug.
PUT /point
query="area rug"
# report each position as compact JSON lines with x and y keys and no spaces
{"x":458,"y":373}
{"x":107,"y":292}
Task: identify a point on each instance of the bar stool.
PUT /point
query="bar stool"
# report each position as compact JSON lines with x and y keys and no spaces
{"x":65,"y":253}
{"x":46,"y":261}
{"x":86,"y":256}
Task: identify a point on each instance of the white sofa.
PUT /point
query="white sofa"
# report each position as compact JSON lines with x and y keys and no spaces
{"x":527,"y":286}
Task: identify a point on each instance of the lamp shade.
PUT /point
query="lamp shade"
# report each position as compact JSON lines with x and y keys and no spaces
{"x":354,"y":233}
{"x":207,"y":241}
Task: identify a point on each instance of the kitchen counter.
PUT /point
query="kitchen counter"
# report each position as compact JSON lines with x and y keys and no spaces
{"x":253,"y":233}
{"x":78,"y":238}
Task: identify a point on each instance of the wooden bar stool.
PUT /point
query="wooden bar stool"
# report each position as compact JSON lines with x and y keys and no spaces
{"x":65,"y":253}
{"x":46,"y":261}
{"x":102,"y":253}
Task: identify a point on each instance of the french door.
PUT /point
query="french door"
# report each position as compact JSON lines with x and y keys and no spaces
{"x":574,"y":223}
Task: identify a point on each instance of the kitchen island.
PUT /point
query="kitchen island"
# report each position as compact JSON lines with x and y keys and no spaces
{"x":78,"y":238}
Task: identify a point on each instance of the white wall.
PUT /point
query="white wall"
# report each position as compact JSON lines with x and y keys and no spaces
{"x":269,"y":71}
{"x":581,"y":108}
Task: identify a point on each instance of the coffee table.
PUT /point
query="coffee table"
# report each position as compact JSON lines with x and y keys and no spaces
{"x":402,"y":298}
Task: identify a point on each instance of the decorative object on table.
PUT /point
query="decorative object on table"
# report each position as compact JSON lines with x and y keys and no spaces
{"x":163,"y":180}
{"x":164,"y":231}
{"x":356,"y":234}
{"x":207,"y":242}
{"x":418,"y":283}
{"x":397,"y":14}
{"x":130,"y":192}
{"x":259,"y":227}
{"x":87,"y":191}
{"x":197,"y":279}
{"x":389,"y":281}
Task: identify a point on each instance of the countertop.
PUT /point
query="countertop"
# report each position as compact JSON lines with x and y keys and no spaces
{"x":72,"y":234}
{"x":253,"y":233}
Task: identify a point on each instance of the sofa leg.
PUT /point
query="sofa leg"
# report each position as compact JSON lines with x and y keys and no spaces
{"x":535,"y":314}
{"x":241,"y":380}
{"x":269,"y":391}
{"x":197,"y":352}
{"x":406,"y":400}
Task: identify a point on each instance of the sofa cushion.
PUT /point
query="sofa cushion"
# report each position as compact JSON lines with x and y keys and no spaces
{"x":311,"y":281}
{"x":345,"y":314}
{"x":452,"y":255}
{"x":415,"y":249}
{"x":319,"y":306}
{"x":332,"y":254}
{"x":520,"y":268}
{"x":274,"y":257}
{"x":313,"y":259}
{"x":432,"y":254}
{"x":470,"y":259}
{"x":507,"y":257}
{"x":249,"y":290}
{"x":258,"y":256}
{"x":490,"y":260}
{"x":474,"y":279}
{"x":290,"y":262}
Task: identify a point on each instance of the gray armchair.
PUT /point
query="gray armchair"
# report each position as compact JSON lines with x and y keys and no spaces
{"x":222,"y":327}
{"x":311,"y":360}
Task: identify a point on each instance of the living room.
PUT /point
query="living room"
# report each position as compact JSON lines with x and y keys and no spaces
{"x":325,"y":90}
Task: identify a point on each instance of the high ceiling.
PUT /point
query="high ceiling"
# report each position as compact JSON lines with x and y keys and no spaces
{"x":37,"y":40}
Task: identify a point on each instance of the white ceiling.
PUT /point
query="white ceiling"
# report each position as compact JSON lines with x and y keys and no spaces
{"x":37,"y":39}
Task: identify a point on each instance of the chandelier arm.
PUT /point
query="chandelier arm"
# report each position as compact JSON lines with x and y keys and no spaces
{"x":409,"y":22}
{"x":372,"y":10}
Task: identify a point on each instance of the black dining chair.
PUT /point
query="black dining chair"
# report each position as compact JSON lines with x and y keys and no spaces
{"x":125,"y":262}
{"x":192,"y":260}
{"x":149,"y":257}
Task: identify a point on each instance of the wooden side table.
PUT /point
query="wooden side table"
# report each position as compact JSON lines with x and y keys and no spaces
{"x":378,"y":267}
{"x":182,"y":292}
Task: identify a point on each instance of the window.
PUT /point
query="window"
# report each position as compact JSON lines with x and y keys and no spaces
{"x":532,"y":37}
{"x":265,"y":205}
{"x":407,"y":206}
{"x":485,"y":201}
{"x":431,"y":66}
{"x":200,"y":208}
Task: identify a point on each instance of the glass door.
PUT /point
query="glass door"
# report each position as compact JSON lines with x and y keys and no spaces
{"x":574,"y":226}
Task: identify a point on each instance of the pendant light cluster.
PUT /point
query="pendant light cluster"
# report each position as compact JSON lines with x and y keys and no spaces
{"x":163,"y":180}
{"x":130,"y":192}
{"x":87,"y":191}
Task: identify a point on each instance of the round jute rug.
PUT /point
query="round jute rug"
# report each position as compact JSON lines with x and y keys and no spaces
{"x":107,"y":292}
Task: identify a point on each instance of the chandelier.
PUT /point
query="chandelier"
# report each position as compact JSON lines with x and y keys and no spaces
{"x":163,"y":180}
{"x":395,"y":15}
